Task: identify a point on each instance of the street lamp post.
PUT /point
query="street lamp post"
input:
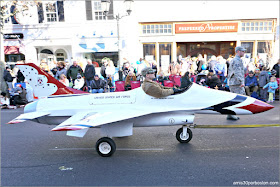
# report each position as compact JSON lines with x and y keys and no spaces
{"x":105,"y":5}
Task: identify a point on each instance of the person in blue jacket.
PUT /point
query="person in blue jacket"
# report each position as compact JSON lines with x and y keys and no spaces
{"x":272,"y":86}
{"x":251,"y":83}
{"x":220,"y":68}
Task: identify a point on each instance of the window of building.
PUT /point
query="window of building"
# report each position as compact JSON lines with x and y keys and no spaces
{"x":94,"y":10}
{"x":98,"y":13}
{"x":227,"y":49}
{"x":264,"y":47}
{"x":7,"y":10}
{"x":149,"y":51}
{"x":164,"y":55}
{"x":248,"y":46}
{"x":60,"y":57}
{"x":257,"y":26}
{"x":50,"y":11}
{"x":157,"y":28}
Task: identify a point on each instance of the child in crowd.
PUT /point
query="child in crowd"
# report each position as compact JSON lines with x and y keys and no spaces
{"x":79,"y":82}
{"x":63,"y":79}
{"x":5,"y":102}
{"x":272,"y":86}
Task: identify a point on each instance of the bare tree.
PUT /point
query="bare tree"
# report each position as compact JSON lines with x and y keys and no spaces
{"x":17,"y":7}
{"x":9,"y":9}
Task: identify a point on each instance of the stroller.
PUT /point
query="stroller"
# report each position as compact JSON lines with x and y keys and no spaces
{"x":201,"y":79}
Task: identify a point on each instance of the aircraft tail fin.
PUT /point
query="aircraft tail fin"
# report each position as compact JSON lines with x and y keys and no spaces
{"x":43,"y":84}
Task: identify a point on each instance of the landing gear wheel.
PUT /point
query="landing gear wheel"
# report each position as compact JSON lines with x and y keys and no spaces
{"x":181,"y":138}
{"x":105,"y":147}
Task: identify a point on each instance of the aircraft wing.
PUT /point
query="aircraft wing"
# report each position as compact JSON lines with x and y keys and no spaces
{"x":85,"y":120}
{"x":28,"y":116}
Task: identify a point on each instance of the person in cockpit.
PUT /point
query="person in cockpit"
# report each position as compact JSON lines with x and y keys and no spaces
{"x":153,"y":88}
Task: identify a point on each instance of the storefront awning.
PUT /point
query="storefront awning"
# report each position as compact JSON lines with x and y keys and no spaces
{"x":8,"y":50}
{"x":97,"y":45}
{"x":95,"y":48}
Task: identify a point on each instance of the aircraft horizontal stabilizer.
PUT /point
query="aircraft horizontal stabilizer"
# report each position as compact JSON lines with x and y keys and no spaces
{"x":28,"y":116}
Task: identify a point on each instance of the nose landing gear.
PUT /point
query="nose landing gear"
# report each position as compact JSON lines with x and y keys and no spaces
{"x":184,"y":134}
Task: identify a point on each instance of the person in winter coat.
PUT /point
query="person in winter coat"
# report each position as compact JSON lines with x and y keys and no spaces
{"x":263,"y":80}
{"x":272,"y":86}
{"x":110,"y":71}
{"x":212,"y":63}
{"x":79,"y":82}
{"x":97,"y":85}
{"x":220,"y":68}
{"x":185,"y":80}
{"x":20,"y":77}
{"x":8,"y":77}
{"x":103,"y":68}
{"x":213,"y":81}
{"x":251,"y":83}
{"x":155,"y":89}
{"x":130,"y":77}
{"x":200,"y":62}
{"x":73,"y":72}
{"x":89,"y":72}
{"x":276,"y":68}
{"x":18,"y":96}
{"x":60,"y":70}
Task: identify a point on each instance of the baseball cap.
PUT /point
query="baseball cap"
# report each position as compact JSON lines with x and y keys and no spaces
{"x":240,"y":48}
{"x":147,"y":70}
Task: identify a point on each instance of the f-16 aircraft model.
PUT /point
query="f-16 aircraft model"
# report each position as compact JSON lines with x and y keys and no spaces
{"x":116,"y":113}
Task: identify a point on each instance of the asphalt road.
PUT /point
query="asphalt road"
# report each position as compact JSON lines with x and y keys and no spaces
{"x":32,"y":155}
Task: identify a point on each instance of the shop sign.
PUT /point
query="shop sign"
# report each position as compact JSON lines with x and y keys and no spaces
{"x":13,"y":36}
{"x":206,"y":27}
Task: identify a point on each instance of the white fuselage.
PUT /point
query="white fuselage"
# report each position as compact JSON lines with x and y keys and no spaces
{"x":172,"y":110}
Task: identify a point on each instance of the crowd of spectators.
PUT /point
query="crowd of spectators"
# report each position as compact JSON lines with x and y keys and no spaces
{"x":211,"y":73}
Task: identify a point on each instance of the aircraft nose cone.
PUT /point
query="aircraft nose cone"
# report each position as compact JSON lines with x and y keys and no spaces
{"x":258,"y":106}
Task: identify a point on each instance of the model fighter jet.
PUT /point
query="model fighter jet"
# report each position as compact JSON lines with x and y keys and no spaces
{"x":116,"y":113}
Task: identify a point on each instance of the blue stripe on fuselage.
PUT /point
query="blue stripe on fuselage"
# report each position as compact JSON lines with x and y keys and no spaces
{"x":220,"y":107}
{"x":70,"y":95}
